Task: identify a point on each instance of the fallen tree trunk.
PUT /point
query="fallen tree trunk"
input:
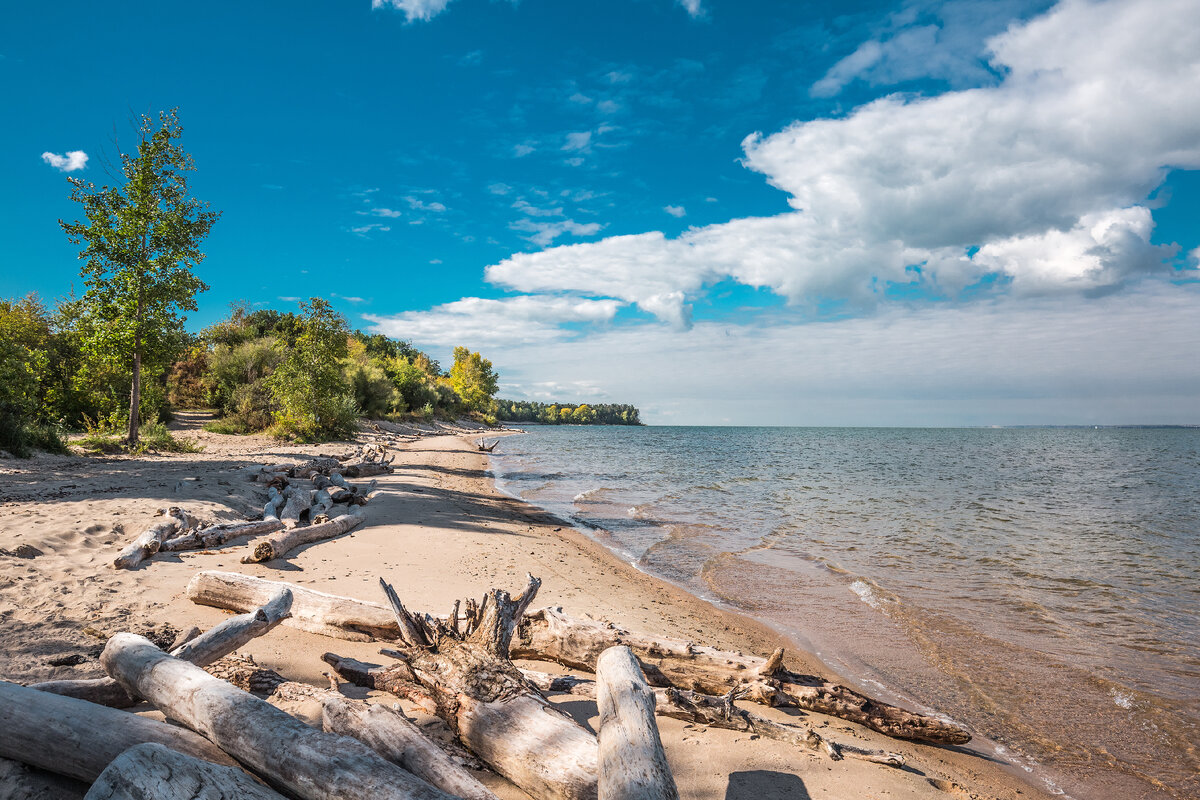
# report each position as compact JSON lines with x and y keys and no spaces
{"x":632,"y":763}
{"x":306,"y":762}
{"x":149,"y":542}
{"x":385,"y":731}
{"x":153,"y":772}
{"x":298,"y":501}
{"x":77,"y":738}
{"x":279,"y":545}
{"x":201,"y":650}
{"x":720,"y":712}
{"x":366,"y":469}
{"x":470,"y":681}
{"x":312,"y":611}
{"x":216,"y":535}
{"x":551,"y":635}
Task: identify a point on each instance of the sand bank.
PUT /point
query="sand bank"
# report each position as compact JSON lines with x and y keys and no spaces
{"x":438,"y":530}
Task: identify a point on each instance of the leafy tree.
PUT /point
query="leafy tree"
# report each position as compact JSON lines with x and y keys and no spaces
{"x":32,"y":383}
{"x":473,"y":378}
{"x":309,"y":386}
{"x":140,"y":243}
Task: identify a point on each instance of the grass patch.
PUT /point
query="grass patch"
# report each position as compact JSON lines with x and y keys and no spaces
{"x":152,"y":437}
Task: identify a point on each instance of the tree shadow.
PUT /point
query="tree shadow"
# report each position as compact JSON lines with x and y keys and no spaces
{"x":764,"y":784}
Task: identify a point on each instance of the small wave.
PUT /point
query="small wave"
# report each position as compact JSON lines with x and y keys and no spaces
{"x":585,"y":495}
{"x":1122,"y":699}
{"x":866,"y":593}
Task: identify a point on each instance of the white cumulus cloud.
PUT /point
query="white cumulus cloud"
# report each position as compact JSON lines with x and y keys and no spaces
{"x":69,"y":162}
{"x":675,"y":211}
{"x":414,"y":9}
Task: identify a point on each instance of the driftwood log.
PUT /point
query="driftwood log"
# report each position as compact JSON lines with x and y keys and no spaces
{"x":551,"y":635}
{"x":303,"y":761}
{"x":22,"y":782}
{"x":79,"y":739}
{"x":153,"y":772}
{"x":465,"y":675}
{"x":632,"y":763}
{"x":312,"y":611}
{"x":216,"y":535}
{"x":150,"y":541}
{"x":298,"y":501}
{"x":280,"y":544}
{"x":386,"y":731}
{"x":201,"y":650}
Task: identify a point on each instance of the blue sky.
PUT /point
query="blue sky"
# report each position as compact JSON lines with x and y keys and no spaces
{"x":723,"y":212}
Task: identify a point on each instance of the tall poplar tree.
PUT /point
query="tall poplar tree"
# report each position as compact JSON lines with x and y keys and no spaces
{"x":140,"y":243}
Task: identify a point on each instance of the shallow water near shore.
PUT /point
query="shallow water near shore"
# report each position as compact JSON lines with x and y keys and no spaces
{"x":1039,"y":586}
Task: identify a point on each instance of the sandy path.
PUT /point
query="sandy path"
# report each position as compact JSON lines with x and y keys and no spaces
{"x":438,"y":530}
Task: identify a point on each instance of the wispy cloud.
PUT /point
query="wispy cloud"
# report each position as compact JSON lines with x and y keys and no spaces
{"x":414,"y":9}
{"x":417,"y":204}
{"x":380,"y":212}
{"x":579,"y":141}
{"x":675,"y":211}
{"x":692,"y":7}
{"x":71,"y":161}
{"x":544,"y":233}
{"x":374,"y":227}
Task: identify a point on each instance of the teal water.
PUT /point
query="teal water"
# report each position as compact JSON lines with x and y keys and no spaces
{"x":1039,"y":586}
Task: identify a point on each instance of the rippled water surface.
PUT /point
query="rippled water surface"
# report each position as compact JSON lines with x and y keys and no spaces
{"x":1040,"y":586}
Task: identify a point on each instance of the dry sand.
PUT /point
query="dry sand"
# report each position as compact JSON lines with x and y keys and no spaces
{"x":438,"y":530}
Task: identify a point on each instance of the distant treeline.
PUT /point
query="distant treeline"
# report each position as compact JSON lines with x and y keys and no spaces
{"x":566,"y":413}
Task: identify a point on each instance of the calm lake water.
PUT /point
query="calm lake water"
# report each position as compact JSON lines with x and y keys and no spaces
{"x":1039,"y":586}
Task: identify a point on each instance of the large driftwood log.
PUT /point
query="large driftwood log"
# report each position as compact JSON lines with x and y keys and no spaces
{"x":312,"y":611}
{"x":201,"y":650}
{"x":632,"y":763}
{"x":153,"y":772}
{"x":216,"y":535}
{"x":306,"y":762}
{"x":720,"y":712}
{"x":384,"y":730}
{"x":280,"y":544}
{"x":471,"y":683}
{"x":298,"y":501}
{"x":22,"y":782}
{"x":150,"y":540}
{"x":77,"y":738}
{"x":551,"y":635}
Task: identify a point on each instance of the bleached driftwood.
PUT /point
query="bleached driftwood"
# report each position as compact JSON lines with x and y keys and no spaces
{"x":200,"y":650}
{"x":322,"y":502}
{"x":551,"y":635}
{"x":153,"y":772}
{"x":150,"y":540}
{"x":384,"y":730}
{"x":306,"y":762}
{"x":22,"y":782}
{"x":721,"y":712}
{"x":633,"y":765}
{"x":366,"y":469}
{"x":280,"y":544}
{"x":315,"y":466}
{"x":298,"y":501}
{"x":77,"y":738}
{"x":312,"y":611}
{"x":467,"y":677}
{"x":216,"y":535}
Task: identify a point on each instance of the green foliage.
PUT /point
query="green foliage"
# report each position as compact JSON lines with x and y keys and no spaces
{"x":473,"y":379}
{"x":563,"y":414}
{"x":152,"y":437}
{"x":140,"y":243}
{"x":237,"y":382}
{"x":374,"y":392}
{"x":31,"y":379}
{"x":309,"y":387}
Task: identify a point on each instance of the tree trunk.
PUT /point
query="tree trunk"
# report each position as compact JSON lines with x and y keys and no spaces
{"x":135,"y":389}
{"x":470,"y":681}
{"x":216,"y":535}
{"x":632,"y":763}
{"x":550,"y":635}
{"x":153,"y":772}
{"x":77,"y":738}
{"x":201,"y":651}
{"x":312,"y":611}
{"x":308,"y":763}
{"x":279,"y":545}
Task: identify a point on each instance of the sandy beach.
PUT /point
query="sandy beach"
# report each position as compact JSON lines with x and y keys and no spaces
{"x":437,"y":530}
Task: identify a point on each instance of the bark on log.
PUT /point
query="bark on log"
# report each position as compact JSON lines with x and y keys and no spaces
{"x":201,"y":650}
{"x":632,"y":763}
{"x":149,"y":542}
{"x":312,"y":611}
{"x":322,"y":502}
{"x":306,"y":762}
{"x":481,"y":695}
{"x":153,"y":772}
{"x":77,"y":738}
{"x":280,"y":544}
{"x":550,"y":635}
{"x":387,"y":732}
{"x":216,"y":535}
{"x":366,"y":469}
{"x":22,"y":782}
{"x":316,"y":466}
